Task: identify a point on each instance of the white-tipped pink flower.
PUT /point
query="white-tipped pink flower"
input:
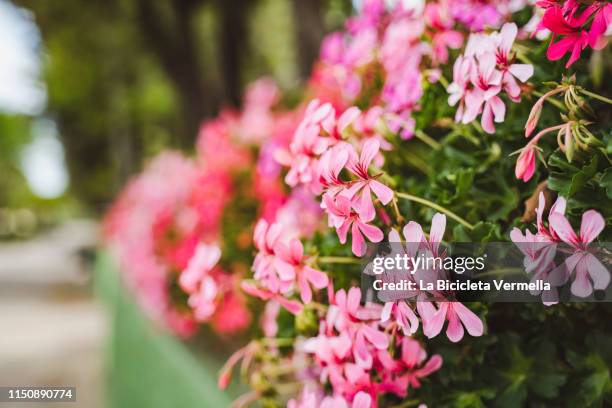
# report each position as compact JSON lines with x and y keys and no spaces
{"x":344,"y":214}
{"x":590,"y":273}
{"x":458,"y":317}
{"x":367,"y":184}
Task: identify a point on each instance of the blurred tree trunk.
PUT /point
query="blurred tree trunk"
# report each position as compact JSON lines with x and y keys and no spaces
{"x":172,"y":39}
{"x":310,"y":29}
{"x":233,"y":40}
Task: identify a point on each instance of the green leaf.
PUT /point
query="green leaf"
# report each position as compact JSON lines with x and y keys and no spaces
{"x":568,"y":179}
{"x":606,"y":182}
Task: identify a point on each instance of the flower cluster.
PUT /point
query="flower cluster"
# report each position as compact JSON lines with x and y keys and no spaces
{"x":575,"y":25}
{"x":480,"y":75}
{"x":540,"y":249}
{"x":167,"y":226}
{"x":272,"y":198}
{"x":403,"y":46}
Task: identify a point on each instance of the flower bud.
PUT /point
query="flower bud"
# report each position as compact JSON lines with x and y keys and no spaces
{"x":525,"y":164}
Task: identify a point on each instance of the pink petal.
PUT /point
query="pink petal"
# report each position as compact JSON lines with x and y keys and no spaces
{"x":305,"y":291}
{"x":433,"y":365}
{"x":432,"y":325}
{"x":508,"y":35}
{"x":358,"y":245}
{"x":406,"y":311}
{"x":413,"y":232}
{"x":412,"y":352}
{"x":342,"y":231}
{"x":385,"y":314}
{"x":591,"y":226}
{"x":558,"y":206}
{"x":362,"y":400}
{"x":377,"y":338}
{"x":499,"y":109}
{"x":438,"y":226}
{"x":368,"y":151}
{"x":297,"y":250}
{"x":373,"y":233}
{"x":317,"y":278}
{"x":454,"y":331}
{"x":470,"y":320}
{"x":599,"y":274}
{"x":366,"y":206}
{"x":487,"y":119}
{"x":362,"y":355}
{"x":581,"y":286}
{"x":563,"y":228}
{"x":557,"y":50}
{"x":347,"y":118}
{"x":285,"y":271}
{"x":353,"y":299}
{"x":292,"y":306}
{"x":384,"y":193}
{"x":522,"y":71}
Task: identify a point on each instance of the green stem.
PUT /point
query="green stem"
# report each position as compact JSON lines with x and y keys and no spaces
{"x":338,"y":260}
{"x":443,"y":81}
{"x":552,"y":101}
{"x":435,"y":206}
{"x":423,"y":137}
{"x":501,"y":271}
{"x":596,"y":96}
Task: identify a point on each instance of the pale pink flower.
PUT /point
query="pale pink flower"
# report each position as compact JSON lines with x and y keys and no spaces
{"x":590,"y":273}
{"x":411,"y":367}
{"x":487,"y":80}
{"x":266,"y":237}
{"x":204,"y":300}
{"x":343,"y":216}
{"x":510,"y":70}
{"x":201,"y":264}
{"x":457,"y":315}
{"x":346,"y":315}
{"x":291,"y":261}
{"x":460,"y":87}
{"x":292,"y":306}
{"x":403,"y":315}
{"x":367,"y":183}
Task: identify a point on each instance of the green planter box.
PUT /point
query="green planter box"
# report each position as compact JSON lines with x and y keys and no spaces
{"x":146,"y":367}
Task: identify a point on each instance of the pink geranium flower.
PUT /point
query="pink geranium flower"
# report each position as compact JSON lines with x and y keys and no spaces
{"x":205,"y":258}
{"x":367,"y":183}
{"x":292,"y":306}
{"x":504,"y":59}
{"x":457,"y":315}
{"x":415,"y":362}
{"x":403,"y":315}
{"x":590,"y":273}
{"x":567,"y":21}
{"x":345,"y":214}
{"x":291,"y":261}
{"x":487,"y":80}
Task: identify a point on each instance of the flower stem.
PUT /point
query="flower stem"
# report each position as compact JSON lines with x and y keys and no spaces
{"x":423,"y":137}
{"x":596,"y":96}
{"x":338,"y":260}
{"x":435,"y":206}
{"x":551,"y":100}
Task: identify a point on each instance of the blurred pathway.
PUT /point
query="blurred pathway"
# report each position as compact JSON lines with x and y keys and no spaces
{"x":52,"y":330}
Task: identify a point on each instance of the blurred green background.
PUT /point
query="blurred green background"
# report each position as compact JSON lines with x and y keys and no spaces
{"x":89,"y":90}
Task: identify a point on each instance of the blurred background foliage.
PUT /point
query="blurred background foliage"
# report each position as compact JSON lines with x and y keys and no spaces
{"x":123,"y":79}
